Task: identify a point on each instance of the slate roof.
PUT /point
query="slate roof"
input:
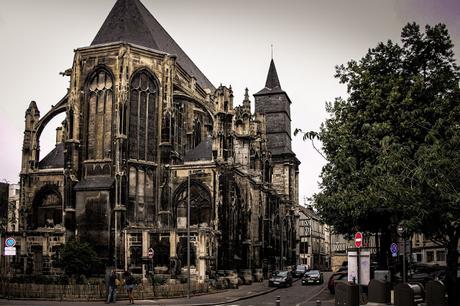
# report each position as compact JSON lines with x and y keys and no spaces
{"x":203,"y":151}
{"x":272,"y":85}
{"x":131,"y":22}
{"x":54,"y":159}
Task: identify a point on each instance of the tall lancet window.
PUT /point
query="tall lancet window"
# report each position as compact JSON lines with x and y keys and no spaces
{"x":196,"y":132}
{"x":142,"y":139}
{"x":100,"y":115}
{"x":142,"y":121}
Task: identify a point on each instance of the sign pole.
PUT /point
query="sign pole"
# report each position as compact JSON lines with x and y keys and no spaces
{"x":404,"y":260}
{"x":151,"y":253}
{"x":359,"y":272}
{"x":358,"y":244}
{"x":153,"y":277}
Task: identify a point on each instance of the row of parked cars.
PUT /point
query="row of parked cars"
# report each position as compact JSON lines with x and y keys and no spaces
{"x":285,"y":278}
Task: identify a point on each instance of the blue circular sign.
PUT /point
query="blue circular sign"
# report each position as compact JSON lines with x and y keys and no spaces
{"x":10,"y":242}
{"x":394,"y":248}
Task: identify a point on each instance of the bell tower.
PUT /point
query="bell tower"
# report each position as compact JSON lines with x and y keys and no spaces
{"x":274,"y":103}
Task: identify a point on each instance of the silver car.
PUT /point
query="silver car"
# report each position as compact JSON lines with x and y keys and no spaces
{"x":280,"y":278}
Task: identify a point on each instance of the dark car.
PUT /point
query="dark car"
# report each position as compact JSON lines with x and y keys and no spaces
{"x":280,"y":278}
{"x":313,"y":277}
{"x":336,"y":277}
{"x":300,"y":271}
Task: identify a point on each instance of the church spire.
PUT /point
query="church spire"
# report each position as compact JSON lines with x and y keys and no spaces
{"x":272,"y":77}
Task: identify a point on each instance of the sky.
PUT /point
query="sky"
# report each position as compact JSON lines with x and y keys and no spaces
{"x":228,"y":40}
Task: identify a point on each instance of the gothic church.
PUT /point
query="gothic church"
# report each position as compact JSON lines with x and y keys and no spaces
{"x":145,"y":135}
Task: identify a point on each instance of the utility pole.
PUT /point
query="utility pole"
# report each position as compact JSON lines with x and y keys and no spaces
{"x":281,"y":243}
{"x":188,"y":235}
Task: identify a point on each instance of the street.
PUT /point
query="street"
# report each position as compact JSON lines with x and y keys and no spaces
{"x":291,"y":296}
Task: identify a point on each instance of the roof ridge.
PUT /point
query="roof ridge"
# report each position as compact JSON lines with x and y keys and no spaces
{"x":130,"y":21}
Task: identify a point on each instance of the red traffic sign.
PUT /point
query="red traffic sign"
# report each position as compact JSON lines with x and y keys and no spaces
{"x":151,"y":253}
{"x":358,"y":240}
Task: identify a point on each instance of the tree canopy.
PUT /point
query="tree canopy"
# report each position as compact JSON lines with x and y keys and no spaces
{"x":392,"y":146}
{"x":78,"y":258}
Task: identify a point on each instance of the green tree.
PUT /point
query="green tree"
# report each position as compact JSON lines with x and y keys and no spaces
{"x":78,"y":258}
{"x":392,"y":146}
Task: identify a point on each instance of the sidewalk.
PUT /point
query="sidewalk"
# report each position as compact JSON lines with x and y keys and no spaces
{"x":227,"y":296}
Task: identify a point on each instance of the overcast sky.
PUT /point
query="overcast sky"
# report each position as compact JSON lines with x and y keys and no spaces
{"x":228,"y":40}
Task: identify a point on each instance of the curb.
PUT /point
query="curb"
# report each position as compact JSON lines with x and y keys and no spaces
{"x":228,"y":301}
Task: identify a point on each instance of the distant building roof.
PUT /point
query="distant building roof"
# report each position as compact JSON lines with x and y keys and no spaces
{"x":131,"y":22}
{"x":54,"y":159}
{"x":309,"y":212}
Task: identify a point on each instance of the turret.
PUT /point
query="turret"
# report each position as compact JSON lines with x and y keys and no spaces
{"x":31,"y":118}
{"x":246,"y":101}
{"x":223,"y":143}
{"x":276,"y":105}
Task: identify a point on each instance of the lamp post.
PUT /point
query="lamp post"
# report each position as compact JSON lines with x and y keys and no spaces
{"x":308,"y":225}
{"x":281,"y":242}
{"x":402,"y":232}
{"x":188,"y":235}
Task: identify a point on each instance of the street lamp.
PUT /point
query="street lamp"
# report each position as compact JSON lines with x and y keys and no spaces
{"x":309,"y":226}
{"x":188,"y":235}
{"x":402,"y":233}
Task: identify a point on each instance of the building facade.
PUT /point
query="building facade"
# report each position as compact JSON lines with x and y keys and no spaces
{"x":146,"y":140}
{"x":314,"y":247}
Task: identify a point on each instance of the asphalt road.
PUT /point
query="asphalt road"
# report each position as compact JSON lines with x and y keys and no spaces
{"x":297,"y":295}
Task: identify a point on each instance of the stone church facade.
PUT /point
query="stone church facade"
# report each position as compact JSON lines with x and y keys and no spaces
{"x":145,"y":135}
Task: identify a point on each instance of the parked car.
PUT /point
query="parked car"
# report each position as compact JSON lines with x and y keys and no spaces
{"x":422,"y":273}
{"x":280,"y":278}
{"x":336,"y":277}
{"x":312,"y":277}
{"x":300,"y":271}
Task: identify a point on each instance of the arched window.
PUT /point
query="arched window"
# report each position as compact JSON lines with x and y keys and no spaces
{"x":142,"y":120}
{"x":99,"y":115}
{"x":47,"y":208}
{"x":178,"y":127}
{"x":141,"y":194}
{"x":166,"y":128}
{"x":196,"y":132}
{"x":200,"y":204}
{"x":252,"y":159}
{"x":267,"y":172}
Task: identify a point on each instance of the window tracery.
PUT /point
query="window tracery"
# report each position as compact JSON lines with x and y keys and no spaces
{"x":100,"y":115}
{"x":142,"y":120}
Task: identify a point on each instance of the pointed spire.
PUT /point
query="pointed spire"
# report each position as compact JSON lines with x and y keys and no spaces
{"x":33,"y":104}
{"x":246,"y":94}
{"x":272,"y":85}
{"x":33,"y":109}
{"x":272,"y":77}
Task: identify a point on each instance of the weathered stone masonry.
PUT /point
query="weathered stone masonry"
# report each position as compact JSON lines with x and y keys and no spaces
{"x":141,"y":121}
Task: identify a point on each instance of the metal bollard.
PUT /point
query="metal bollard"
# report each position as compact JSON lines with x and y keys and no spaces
{"x":278,"y":301}
{"x":318,"y":303}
